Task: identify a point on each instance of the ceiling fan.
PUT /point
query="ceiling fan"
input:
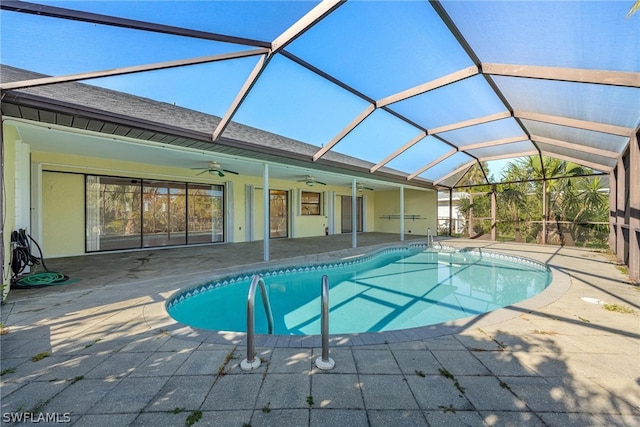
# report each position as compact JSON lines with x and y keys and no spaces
{"x":214,"y":168}
{"x":361,"y":187}
{"x":310,"y":181}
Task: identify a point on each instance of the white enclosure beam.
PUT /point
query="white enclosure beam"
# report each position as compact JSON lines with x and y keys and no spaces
{"x":492,"y":143}
{"x":575,"y":123}
{"x":426,"y":87}
{"x":433,"y":163}
{"x":130,"y":70}
{"x":509,"y":156}
{"x":399,"y":151}
{"x":472,"y":122}
{"x":592,"y":165}
{"x":351,"y":126}
{"x":242,"y":94}
{"x":314,"y":16}
{"x":576,"y":147}
{"x":455,"y":171}
{"x":605,"y":77}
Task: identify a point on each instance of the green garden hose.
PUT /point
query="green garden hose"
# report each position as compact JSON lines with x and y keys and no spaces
{"x":38,"y":280}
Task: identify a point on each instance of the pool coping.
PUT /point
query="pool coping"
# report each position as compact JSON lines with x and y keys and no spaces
{"x":157,"y":317}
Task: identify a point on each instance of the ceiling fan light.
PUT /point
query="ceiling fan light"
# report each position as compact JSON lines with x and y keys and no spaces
{"x":310,"y":183}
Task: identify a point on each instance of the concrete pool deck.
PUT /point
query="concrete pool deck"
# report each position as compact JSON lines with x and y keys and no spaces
{"x":115,"y":358}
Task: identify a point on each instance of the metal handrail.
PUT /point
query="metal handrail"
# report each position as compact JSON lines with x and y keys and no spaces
{"x":257,"y":280}
{"x":325,"y":362}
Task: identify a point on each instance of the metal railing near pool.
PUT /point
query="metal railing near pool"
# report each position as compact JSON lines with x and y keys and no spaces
{"x":325,"y":362}
{"x":253,"y":362}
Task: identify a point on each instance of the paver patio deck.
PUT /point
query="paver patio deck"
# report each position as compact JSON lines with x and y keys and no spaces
{"x":116,"y":358}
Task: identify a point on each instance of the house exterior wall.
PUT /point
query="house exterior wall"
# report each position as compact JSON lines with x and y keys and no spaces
{"x":418,"y":203}
{"x":9,"y":138}
{"x":62,"y":192}
{"x":62,"y":214}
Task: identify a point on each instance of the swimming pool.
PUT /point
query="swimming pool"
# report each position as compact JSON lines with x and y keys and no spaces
{"x":393,"y":289}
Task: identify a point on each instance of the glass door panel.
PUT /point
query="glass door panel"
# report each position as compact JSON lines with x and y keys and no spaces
{"x":164,"y":213}
{"x":278,"y":214}
{"x":206,"y":213}
{"x":347,"y":218}
{"x":112,"y":213}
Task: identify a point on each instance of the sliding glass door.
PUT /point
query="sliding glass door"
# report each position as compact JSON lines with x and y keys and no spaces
{"x":164,"y":208}
{"x":123,"y":213}
{"x":205,"y":213}
{"x":278,"y":213}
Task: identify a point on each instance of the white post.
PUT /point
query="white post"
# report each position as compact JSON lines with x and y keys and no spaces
{"x":402,"y":213}
{"x":266,"y":199}
{"x":354,"y":216}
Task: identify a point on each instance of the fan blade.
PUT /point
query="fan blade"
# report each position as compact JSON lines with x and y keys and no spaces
{"x":321,"y":183}
{"x":204,"y":171}
{"x":220,"y":174}
{"x":228,"y":171}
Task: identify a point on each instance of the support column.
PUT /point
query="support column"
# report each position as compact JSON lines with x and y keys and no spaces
{"x":354,"y":214}
{"x":494,"y":221}
{"x":634,"y":203}
{"x":544,"y":211}
{"x":266,"y":199}
{"x":621,"y":207}
{"x":402,"y":213}
{"x":613,"y":217}
{"x":470,"y":225}
{"x":450,"y":212}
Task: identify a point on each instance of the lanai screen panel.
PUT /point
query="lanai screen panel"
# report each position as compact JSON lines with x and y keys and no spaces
{"x":464,"y":100}
{"x":420,"y":154}
{"x":260,"y":20}
{"x":484,"y":132}
{"x":454,"y":178}
{"x":503,"y":150}
{"x":382,"y":48}
{"x":377,"y":137}
{"x":446,"y":166}
{"x":294,"y":102}
{"x":590,"y":160}
{"x":576,"y":34}
{"x":587,"y":138}
{"x":189,"y":87}
{"x":615,"y":105}
{"x":362,"y":55}
{"x":55,"y":46}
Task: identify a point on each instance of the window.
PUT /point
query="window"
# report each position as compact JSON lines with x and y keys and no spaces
{"x":125,"y":213}
{"x":310,"y":203}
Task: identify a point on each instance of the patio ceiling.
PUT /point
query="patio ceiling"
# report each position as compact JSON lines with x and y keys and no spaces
{"x":429,"y":89}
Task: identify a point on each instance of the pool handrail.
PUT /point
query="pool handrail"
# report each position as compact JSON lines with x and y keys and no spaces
{"x":251,"y":362}
{"x":325,"y":362}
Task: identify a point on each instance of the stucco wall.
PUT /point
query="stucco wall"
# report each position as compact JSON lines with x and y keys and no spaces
{"x":419,"y":203}
{"x":62,"y":214}
{"x":63,"y":207}
{"x":9,"y":137}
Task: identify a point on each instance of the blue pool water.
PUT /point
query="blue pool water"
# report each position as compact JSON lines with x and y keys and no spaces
{"x":395,"y":289}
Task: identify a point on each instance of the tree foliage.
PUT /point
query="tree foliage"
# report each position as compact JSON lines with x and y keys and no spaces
{"x":574,"y":202}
